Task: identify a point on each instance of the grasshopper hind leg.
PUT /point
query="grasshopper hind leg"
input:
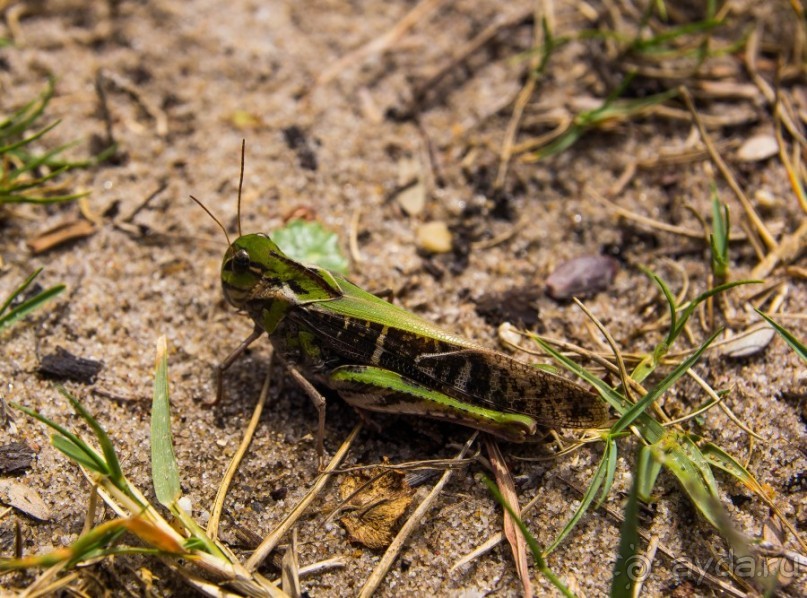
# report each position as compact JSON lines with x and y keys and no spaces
{"x":372,"y":388}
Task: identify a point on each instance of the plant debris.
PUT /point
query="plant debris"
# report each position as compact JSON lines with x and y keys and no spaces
{"x":297,"y":140}
{"x":376,"y":505}
{"x":71,"y":230}
{"x":63,"y":365}
{"x":15,"y":458}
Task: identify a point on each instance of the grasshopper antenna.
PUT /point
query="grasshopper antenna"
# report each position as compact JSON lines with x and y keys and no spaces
{"x":241,"y":183}
{"x":216,"y":220}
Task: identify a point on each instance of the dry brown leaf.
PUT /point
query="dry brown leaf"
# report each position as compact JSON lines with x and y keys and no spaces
{"x":376,"y":505}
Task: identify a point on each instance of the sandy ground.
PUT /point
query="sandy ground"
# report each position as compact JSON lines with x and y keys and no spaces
{"x":185,"y":82}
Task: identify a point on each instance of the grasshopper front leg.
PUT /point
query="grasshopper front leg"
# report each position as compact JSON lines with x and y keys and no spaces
{"x":319,"y":404}
{"x":222,"y":367}
{"x":378,"y":389}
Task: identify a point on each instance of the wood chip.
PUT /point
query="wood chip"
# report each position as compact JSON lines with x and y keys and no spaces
{"x":63,"y":365}
{"x":24,"y":499}
{"x":15,"y":458}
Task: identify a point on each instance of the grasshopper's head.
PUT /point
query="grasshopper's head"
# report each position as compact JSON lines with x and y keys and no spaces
{"x":256,"y":271}
{"x":252,"y":261}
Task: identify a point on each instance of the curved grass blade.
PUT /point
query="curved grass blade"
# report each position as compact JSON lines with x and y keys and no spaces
{"x":107,"y":448}
{"x":535,"y":549}
{"x":26,"y":307}
{"x":73,"y":443}
{"x":603,"y":478}
{"x":633,"y":412}
{"x":791,"y":340}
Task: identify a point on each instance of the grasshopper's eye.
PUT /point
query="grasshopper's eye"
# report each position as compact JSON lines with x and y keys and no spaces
{"x":241,"y":261}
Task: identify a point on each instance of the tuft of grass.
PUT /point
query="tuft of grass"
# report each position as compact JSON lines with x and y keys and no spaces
{"x":612,"y":110}
{"x":9,"y":315}
{"x":30,"y":176}
{"x":719,"y":238}
{"x":180,"y":542}
{"x":688,"y":457}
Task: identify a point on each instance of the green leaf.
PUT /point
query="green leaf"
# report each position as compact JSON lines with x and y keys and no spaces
{"x":27,"y":306}
{"x":791,"y":340}
{"x":311,"y":243}
{"x":164,"y":470}
{"x":107,"y":448}
{"x":630,"y":565}
{"x":535,"y":549}
{"x":604,"y":474}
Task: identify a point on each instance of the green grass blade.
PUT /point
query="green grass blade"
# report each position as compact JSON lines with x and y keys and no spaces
{"x":610,"y":471}
{"x":676,"y":460}
{"x":670,"y":303}
{"x":600,"y":476}
{"x":719,"y":458}
{"x":107,"y":448}
{"x":90,"y":457}
{"x":791,"y":340}
{"x":10,"y":147}
{"x":32,"y":163}
{"x":648,"y":469}
{"x":25,"y":116}
{"x":719,"y":238}
{"x":40,"y":199}
{"x":629,"y":562}
{"x":19,"y":290}
{"x":26,"y":307}
{"x":78,"y":453}
{"x":164,"y":470}
{"x":535,"y":549}
{"x":631,"y":414}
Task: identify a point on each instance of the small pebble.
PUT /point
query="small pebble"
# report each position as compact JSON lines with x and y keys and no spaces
{"x":582,"y":276}
{"x":434,"y":237}
{"x":765,"y":199}
{"x":758,"y":148}
{"x":749,"y":342}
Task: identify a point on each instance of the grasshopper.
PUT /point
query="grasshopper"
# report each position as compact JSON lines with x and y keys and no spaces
{"x":380,"y":357}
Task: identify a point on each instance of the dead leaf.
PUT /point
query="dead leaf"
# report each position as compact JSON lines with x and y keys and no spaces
{"x":376,"y":506}
{"x":774,"y":532}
